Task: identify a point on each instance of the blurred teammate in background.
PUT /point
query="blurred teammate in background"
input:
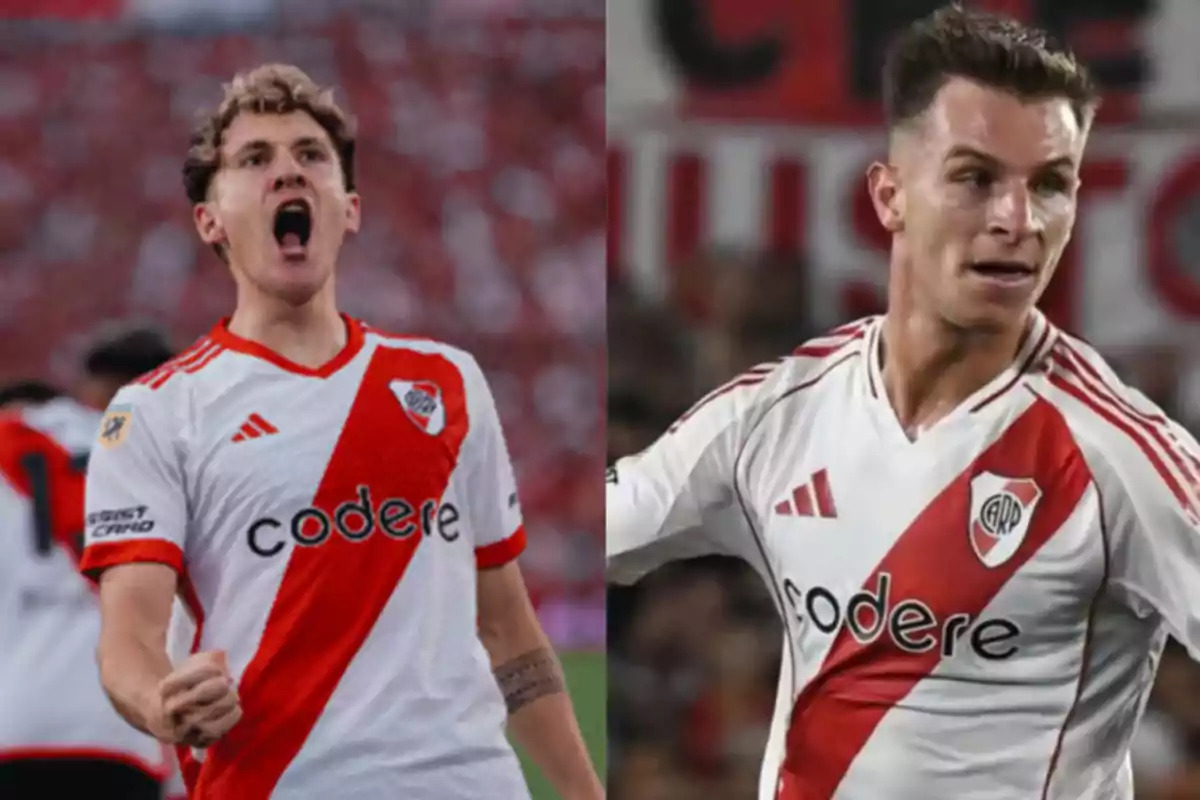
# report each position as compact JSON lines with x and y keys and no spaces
{"x":59,"y":736}
{"x":977,"y":536}
{"x":336,"y":506}
{"x":25,"y":394}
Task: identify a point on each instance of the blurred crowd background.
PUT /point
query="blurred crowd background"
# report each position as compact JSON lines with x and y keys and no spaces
{"x":739,"y":228}
{"x":482,"y":176}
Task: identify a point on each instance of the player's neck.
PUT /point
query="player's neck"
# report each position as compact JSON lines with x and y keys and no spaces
{"x":930,"y":368}
{"x":310,"y":335}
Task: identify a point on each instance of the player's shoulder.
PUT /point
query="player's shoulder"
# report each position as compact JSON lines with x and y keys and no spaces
{"x":1123,"y":434}
{"x":822,"y":355}
{"x":201,"y":361}
{"x":462,"y":360}
{"x":750,"y":393}
{"x":419,"y":344}
{"x":1088,"y":392}
{"x":162,"y":398}
{"x":808,"y":364}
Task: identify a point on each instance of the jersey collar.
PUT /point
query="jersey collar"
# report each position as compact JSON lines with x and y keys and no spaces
{"x":1035,"y":345}
{"x":354,"y":343}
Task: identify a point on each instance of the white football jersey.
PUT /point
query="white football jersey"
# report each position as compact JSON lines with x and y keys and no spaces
{"x":327,"y":525}
{"x":51,"y":700}
{"x":977,"y":613}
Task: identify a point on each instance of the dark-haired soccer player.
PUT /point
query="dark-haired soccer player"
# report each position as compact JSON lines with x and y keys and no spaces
{"x":977,"y":536}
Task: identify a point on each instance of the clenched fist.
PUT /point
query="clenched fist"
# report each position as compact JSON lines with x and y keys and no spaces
{"x":199,"y":701}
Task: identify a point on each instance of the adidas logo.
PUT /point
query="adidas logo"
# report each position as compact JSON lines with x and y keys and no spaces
{"x":812,"y":499}
{"x":254,"y":427}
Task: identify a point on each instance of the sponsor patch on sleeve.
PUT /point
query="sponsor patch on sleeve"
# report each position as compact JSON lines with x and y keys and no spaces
{"x":113,"y":522}
{"x":114,"y":428}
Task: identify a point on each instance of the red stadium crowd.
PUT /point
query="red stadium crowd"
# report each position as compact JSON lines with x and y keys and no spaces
{"x":483,"y":194}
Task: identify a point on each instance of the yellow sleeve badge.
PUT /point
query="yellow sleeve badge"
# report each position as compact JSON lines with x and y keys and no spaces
{"x":114,"y":428}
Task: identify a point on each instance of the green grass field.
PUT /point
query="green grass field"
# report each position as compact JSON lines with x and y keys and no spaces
{"x":587,"y":681}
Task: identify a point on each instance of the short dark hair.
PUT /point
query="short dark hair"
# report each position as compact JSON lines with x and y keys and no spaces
{"x":33,"y":392}
{"x":125,"y":351}
{"x":992,"y":50}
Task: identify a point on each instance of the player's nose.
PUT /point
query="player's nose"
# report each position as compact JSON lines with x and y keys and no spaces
{"x":287,"y":172}
{"x":1012,"y":214}
{"x":289,"y":179}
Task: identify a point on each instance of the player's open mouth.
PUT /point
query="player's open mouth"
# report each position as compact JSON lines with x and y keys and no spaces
{"x":1003,"y":272}
{"x":293,"y":227}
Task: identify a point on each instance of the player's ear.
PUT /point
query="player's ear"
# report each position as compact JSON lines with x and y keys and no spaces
{"x":353,"y":212}
{"x":883,"y":184}
{"x":207,"y":225}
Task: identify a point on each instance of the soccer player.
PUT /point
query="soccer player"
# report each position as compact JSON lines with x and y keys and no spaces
{"x":336,"y":505}
{"x":977,"y":537}
{"x":59,"y":735}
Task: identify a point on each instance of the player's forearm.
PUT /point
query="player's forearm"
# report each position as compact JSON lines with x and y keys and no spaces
{"x":131,"y":671}
{"x":542,"y":721}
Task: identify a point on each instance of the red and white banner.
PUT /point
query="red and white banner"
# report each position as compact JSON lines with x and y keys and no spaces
{"x":818,"y":61}
{"x":1131,"y":274}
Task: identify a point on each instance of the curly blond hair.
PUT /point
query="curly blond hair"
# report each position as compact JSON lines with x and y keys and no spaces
{"x":268,"y":89}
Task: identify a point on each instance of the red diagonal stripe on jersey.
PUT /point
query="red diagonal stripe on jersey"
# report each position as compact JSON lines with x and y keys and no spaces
{"x":857,"y":684}
{"x":331,"y":595}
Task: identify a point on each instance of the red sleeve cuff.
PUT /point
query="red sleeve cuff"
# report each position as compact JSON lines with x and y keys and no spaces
{"x":497,"y":554}
{"x":101,"y":556}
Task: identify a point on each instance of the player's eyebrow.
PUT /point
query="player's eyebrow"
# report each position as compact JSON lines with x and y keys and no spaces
{"x":260,"y":145}
{"x":965,"y":151}
{"x":253,"y":145}
{"x":308,"y":141}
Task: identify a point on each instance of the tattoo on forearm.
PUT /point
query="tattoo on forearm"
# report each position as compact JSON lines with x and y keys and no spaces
{"x":528,"y":677}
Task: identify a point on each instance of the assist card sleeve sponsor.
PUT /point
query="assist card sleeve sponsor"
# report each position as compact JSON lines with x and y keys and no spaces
{"x":136,"y":506}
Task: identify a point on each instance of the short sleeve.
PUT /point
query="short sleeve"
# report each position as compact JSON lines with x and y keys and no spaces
{"x":490,"y":496}
{"x":676,"y":499}
{"x":136,"y":509}
{"x":1155,"y":528}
